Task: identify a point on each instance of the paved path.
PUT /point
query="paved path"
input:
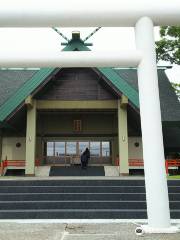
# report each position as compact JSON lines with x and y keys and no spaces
{"x":75,"y":231}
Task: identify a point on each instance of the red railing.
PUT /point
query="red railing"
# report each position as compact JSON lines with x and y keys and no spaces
{"x":171,"y":163}
{"x":136,"y":163}
{"x":140,"y":163}
{"x":132,"y":162}
{"x":15,"y":163}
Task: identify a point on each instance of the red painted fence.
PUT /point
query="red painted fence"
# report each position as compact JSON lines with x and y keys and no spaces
{"x":14,"y":163}
{"x":132,"y":163}
{"x":140,"y":163}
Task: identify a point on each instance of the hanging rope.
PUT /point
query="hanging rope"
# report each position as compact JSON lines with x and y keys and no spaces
{"x":61,"y":34}
{"x":91,"y":34}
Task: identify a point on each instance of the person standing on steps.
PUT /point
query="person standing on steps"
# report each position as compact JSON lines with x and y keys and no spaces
{"x":87,"y":154}
{"x":85,"y":158}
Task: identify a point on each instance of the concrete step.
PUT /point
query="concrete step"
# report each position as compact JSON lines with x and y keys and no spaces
{"x":73,"y":214}
{"x":73,"y":182}
{"x":71,"y":196}
{"x":79,"y":189}
{"x":79,"y":199}
{"x":79,"y":214}
{"x":14,"y":205}
{"x":130,"y":182}
{"x":72,"y":189}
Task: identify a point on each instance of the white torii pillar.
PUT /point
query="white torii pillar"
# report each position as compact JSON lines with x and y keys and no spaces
{"x":153,"y":149}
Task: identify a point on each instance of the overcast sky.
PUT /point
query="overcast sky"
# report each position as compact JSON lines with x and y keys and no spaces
{"x":39,"y":40}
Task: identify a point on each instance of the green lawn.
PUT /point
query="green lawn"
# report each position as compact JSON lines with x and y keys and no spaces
{"x":174,"y":177}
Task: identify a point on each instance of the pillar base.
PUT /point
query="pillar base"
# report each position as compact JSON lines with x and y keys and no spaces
{"x":143,"y":229}
{"x":124,"y":174}
{"x":30,"y":175}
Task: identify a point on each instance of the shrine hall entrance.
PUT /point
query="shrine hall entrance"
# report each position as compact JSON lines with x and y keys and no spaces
{"x":69,"y":152}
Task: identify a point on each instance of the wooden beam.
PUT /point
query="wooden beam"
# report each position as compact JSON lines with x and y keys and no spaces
{"x":29,"y":101}
{"x":104,"y":104}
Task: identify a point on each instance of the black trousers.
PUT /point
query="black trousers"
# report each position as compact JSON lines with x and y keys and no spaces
{"x":83,"y":164}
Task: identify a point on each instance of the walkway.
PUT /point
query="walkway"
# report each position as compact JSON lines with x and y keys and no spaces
{"x":54,"y":230}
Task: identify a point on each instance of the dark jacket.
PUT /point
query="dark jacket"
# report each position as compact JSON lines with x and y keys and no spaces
{"x":85,"y":156}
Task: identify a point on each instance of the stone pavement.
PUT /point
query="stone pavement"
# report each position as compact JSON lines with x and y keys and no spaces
{"x":24,"y":230}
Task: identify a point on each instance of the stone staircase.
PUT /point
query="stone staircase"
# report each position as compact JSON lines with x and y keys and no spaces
{"x":71,"y":199}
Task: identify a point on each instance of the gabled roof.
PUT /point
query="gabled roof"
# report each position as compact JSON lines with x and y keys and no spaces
{"x":170,"y":106}
{"x":124,"y":80}
{"x":26,"y":84}
{"x":123,"y":86}
{"x":12,"y":80}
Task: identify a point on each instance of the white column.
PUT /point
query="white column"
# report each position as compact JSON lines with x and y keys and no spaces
{"x":153,"y":149}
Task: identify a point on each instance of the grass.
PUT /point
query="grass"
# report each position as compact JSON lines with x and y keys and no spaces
{"x":174,"y":177}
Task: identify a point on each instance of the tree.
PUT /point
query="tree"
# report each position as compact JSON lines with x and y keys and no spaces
{"x":176,"y":87}
{"x":168,"y":48}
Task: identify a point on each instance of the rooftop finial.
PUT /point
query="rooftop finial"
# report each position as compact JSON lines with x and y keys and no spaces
{"x":76,"y":35}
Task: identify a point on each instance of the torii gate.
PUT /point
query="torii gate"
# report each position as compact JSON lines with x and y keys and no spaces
{"x":143,"y":16}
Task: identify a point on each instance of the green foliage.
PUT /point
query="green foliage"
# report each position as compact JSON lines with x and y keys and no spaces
{"x":176,"y":87}
{"x":168,"y":48}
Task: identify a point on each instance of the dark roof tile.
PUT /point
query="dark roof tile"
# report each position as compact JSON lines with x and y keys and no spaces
{"x":170,"y":106}
{"x":11,"y":81}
